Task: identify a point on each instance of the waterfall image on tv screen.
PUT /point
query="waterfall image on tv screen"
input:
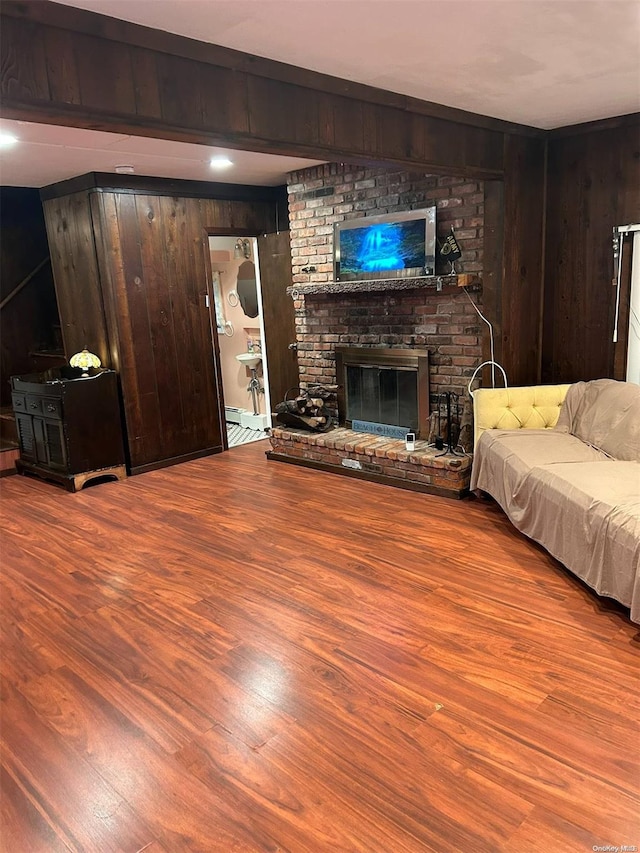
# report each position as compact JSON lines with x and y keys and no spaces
{"x":382,"y":247}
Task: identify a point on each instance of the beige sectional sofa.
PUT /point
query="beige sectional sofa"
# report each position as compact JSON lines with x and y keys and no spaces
{"x":573,"y":484}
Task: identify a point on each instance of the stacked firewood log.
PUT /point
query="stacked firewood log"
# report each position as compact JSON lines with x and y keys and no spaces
{"x":305,"y":408}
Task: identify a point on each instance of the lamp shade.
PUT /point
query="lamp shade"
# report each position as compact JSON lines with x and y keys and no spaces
{"x":84,"y":360}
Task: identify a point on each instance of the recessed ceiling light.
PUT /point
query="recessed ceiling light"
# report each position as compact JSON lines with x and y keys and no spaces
{"x":124,"y":170}
{"x":7,"y":139}
{"x":220,"y":162}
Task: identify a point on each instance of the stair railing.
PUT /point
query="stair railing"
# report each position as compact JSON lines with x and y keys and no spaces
{"x":25,"y":281}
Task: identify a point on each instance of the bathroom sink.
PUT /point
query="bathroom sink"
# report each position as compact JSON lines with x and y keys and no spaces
{"x":249,"y":359}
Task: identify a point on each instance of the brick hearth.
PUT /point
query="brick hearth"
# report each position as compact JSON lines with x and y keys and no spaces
{"x":382,"y":459}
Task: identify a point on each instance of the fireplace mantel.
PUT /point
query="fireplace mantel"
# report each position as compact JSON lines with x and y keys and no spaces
{"x":448,"y":283}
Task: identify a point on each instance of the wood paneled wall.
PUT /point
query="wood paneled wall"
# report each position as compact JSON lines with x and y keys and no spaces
{"x":593,"y":185}
{"x":76,"y":275}
{"x":28,"y":322}
{"x":91,"y":71}
{"x":513,"y":261}
{"x":69,"y":66}
{"x":523,"y":253}
{"x":131,"y":277}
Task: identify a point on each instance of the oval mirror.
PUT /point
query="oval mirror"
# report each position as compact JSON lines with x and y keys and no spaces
{"x":247,"y":289}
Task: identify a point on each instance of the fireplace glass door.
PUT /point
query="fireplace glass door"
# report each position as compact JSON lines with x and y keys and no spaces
{"x":383,"y":386}
{"x":383,"y":395}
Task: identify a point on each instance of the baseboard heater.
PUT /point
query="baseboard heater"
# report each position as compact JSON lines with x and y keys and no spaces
{"x":233,"y":414}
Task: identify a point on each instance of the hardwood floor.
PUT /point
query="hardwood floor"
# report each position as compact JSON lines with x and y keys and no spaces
{"x":236,"y":655}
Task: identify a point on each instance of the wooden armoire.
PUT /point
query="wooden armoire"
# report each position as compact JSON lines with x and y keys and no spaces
{"x":129,"y":260}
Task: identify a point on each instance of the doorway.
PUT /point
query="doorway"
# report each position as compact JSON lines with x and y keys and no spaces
{"x":237,"y":327}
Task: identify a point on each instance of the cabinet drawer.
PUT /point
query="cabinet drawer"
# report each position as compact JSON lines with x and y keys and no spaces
{"x":19,"y":403}
{"x":33,"y":404}
{"x":51,"y":408}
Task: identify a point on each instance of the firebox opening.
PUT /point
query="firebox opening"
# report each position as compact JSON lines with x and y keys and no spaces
{"x":384,"y":386}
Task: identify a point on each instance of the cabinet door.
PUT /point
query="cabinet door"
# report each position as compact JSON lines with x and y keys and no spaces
{"x":39,"y":440}
{"x":54,"y":439}
{"x":26,"y":438}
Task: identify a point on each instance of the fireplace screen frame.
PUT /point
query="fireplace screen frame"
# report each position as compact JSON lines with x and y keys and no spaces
{"x":385,"y":357}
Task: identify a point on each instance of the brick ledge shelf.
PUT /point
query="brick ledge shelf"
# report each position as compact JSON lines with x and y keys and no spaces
{"x":384,"y":460}
{"x":450,"y":282}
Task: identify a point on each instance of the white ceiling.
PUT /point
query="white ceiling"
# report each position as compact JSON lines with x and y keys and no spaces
{"x":46,"y":154}
{"x":545,"y":63}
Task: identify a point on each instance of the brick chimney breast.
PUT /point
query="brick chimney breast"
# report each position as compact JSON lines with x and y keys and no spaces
{"x":444,"y":322}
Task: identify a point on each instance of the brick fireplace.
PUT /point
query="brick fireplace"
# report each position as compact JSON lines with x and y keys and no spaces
{"x":433,"y":314}
{"x":443,"y":321}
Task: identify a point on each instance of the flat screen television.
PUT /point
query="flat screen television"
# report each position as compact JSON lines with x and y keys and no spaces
{"x":395,"y":245}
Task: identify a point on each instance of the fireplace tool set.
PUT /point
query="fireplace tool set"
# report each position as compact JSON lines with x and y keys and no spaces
{"x":444,"y":423}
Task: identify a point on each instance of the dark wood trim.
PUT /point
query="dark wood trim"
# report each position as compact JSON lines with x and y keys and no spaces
{"x":620,"y":348}
{"x":108,"y":182}
{"x":230,"y":232}
{"x":215,"y":341}
{"x":175,"y":460}
{"x":281,"y":219}
{"x":628,"y":120}
{"x":383,"y":479}
{"x":124,"y":32}
{"x":436,"y":163}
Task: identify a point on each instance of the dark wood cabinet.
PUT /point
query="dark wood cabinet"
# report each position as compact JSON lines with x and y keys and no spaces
{"x":69,"y":425}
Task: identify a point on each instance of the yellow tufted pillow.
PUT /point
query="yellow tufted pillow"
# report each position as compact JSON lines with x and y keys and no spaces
{"x":530,"y":407}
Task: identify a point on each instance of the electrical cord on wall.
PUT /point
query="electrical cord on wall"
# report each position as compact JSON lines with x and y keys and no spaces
{"x":484,"y":364}
{"x":482,"y":317}
{"x":492,"y":360}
